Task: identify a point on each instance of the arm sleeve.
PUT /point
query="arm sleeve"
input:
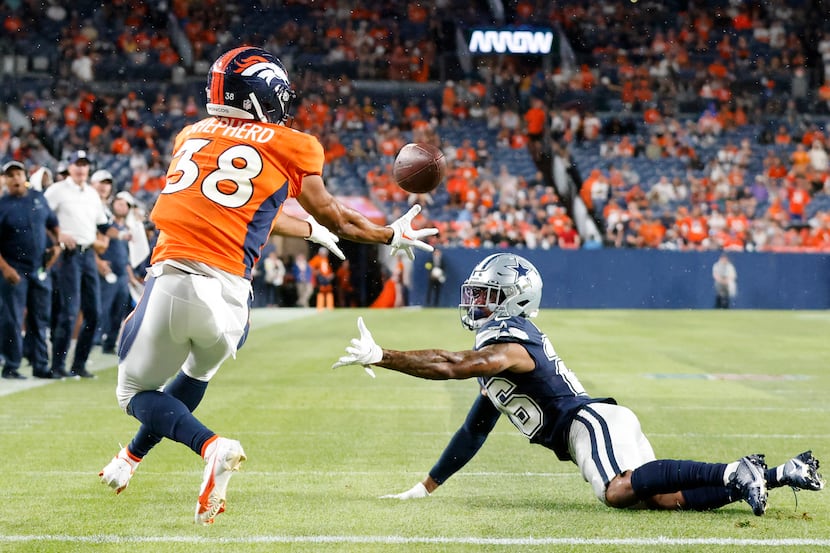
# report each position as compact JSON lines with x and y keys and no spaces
{"x":307,"y":157}
{"x":467,"y":440}
{"x":52,"y":221}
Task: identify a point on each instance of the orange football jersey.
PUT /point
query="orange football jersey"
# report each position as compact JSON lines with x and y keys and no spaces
{"x":226,"y":184}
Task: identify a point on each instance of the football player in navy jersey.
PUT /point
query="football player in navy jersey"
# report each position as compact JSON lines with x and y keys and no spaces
{"x":522,"y":377}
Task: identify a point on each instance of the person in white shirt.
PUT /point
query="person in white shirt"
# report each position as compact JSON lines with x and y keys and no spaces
{"x":819,"y":160}
{"x":82,"y":218}
{"x":662,"y":192}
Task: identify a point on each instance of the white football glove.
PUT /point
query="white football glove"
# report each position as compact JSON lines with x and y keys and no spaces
{"x":415,"y":492}
{"x":323,"y":236}
{"x":406,"y":237}
{"x":363,"y":351}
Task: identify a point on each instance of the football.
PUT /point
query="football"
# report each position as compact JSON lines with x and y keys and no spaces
{"x":419,"y":167}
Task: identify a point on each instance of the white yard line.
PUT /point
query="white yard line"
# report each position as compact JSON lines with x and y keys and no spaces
{"x":512,"y":434}
{"x":315,"y":473}
{"x":392,"y":540}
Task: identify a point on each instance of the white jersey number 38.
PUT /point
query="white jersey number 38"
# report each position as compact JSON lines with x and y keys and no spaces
{"x":235,"y":167}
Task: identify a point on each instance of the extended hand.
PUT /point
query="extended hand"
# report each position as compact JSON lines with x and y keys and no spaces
{"x":323,"y":236}
{"x":363,"y":351}
{"x":405,"y":237}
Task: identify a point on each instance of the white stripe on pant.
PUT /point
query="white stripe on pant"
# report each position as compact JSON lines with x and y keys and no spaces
{"x":606,"y":440}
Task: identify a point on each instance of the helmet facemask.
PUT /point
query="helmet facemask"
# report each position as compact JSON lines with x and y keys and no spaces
{"x":277,"y":109}
{"x":479,"y":304}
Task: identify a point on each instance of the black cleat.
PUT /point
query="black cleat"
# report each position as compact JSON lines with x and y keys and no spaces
{"x":749,"y":480}
{"x":801,"y":473}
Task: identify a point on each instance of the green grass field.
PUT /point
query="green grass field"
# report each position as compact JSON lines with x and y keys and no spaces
{"x":322,"y":445}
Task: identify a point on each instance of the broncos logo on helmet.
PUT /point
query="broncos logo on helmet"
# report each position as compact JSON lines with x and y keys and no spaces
{"x":249,"y":83}
{"x":258,"y":65}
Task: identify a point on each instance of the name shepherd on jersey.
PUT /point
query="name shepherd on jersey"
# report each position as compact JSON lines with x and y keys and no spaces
{"x":227,"y":181}
{"x":240,"y":129}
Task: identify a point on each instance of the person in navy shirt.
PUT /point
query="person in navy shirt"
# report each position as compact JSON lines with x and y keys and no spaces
{"x":521,"y":377}
{"x":115,"y":285}
{"x":28,"y":228}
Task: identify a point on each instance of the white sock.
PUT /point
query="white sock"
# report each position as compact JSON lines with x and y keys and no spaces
{"x":730,"y":470}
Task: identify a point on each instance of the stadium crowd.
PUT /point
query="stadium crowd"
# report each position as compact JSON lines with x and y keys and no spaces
{"x":680,"y":125}
{"x":687,"y":86}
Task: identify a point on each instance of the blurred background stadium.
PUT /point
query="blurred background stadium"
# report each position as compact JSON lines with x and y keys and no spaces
{"x":620,"y":145}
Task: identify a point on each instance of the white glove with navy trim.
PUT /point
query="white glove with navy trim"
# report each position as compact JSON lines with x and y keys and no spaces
{"x":363,"y":351}
{"x":323,"y":236}
{"x":405,"y":237}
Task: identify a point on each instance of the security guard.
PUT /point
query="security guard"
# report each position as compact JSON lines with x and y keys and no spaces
{"x":25,"y":220}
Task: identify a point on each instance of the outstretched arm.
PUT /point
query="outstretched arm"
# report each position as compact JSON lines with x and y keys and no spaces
{"x":349,"y":223}
{"x":340,"y":219}
{"x":467,"y":440}
{"x":437,"y":364}
{"x":462,"y":448}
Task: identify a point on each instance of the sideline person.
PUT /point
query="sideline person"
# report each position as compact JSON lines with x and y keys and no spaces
{"x":725,"y":278}
{"x":83,"y":223}
{"x":27,"y":230}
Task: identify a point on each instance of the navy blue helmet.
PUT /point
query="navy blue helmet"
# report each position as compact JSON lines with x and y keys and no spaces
{"x":249,"y":83}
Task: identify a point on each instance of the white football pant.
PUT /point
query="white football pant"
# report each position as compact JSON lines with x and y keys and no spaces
{"x":191,"y":317}
{"x":606,"y":440}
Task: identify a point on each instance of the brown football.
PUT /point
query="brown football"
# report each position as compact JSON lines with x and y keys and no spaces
{"x":419,"y":167}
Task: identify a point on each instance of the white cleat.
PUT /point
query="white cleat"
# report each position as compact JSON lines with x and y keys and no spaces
{"x":118,"y":472}
{"x":222,"y":458}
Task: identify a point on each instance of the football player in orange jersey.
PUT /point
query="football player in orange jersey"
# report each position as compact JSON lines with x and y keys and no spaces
{"x":228,"y":179}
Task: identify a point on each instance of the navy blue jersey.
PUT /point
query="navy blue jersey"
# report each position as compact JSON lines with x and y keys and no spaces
{"x":23,"y":224}
{"x":540,"y":403}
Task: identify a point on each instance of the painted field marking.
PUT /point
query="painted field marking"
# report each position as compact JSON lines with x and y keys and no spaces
{"x":392,"y":540}
{"x":728,"y":376}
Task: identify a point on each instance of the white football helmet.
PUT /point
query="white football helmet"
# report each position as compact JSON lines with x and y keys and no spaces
{"x":503,"y":285}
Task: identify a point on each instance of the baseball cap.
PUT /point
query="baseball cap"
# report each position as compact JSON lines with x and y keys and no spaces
{"x":127,"y":197}
{"x":11,"y":165}
{"x":78,"y":156}
{"x":101,"y":175}
{"x":63,"y":167}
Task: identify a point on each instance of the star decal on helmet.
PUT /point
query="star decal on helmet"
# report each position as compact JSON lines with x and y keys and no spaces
{"x":520,"y":269}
